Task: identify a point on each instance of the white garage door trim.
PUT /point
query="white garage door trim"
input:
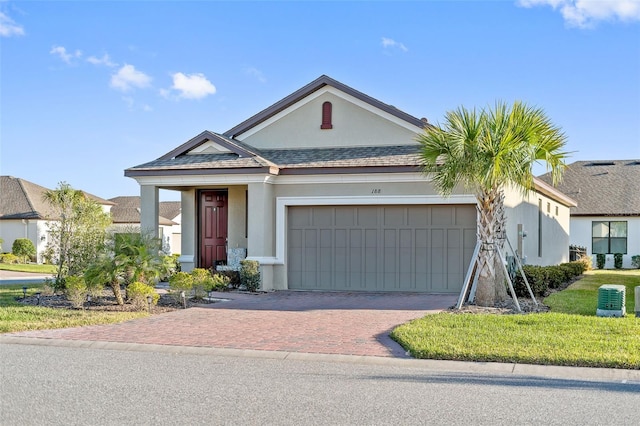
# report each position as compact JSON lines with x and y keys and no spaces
{"x":283,"y":202}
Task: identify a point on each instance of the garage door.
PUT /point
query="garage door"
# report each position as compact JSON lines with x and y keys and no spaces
{"x":380,"y":248}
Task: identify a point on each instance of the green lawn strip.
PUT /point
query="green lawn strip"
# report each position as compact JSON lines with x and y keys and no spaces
{"x":569,"y":335}
{"x":15,"y":316}
{"x":549,"y":338}
{"x":34,"y":268}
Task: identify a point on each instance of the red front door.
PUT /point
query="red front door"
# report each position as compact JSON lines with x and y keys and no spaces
{"x":213,"y":228}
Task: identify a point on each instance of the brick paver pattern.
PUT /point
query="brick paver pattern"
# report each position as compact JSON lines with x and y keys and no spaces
{"x":311,"y":322}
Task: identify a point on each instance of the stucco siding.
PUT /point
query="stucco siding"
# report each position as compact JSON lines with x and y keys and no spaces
{"x":34,"y":230}
{"x":581,"y":235}
{"x":547,"y":235}
{"x":352,"y":126}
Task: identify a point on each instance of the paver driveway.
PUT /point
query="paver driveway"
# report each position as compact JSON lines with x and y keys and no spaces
{"x":312,"y":322}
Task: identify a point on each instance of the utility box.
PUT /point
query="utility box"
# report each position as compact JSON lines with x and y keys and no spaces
{"x":611,"y":298}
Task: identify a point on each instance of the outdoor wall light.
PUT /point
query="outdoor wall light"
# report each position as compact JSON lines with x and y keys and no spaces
{"x":24,"y":292}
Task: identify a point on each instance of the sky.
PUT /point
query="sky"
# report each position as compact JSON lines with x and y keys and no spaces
{"x":88,"y":88}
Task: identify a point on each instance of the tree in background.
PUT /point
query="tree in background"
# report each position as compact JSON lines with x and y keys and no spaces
{"x":78,"y":236}
{"x":485,"y":152}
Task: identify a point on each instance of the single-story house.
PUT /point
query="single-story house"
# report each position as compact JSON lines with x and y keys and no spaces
{"x":25,"y":214}
{"x":125,"y":215}
{"x":324,"y":188}
{"x":606,"y":219}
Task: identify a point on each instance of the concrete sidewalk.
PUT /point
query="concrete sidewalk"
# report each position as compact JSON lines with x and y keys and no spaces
{"x":14,"y":277}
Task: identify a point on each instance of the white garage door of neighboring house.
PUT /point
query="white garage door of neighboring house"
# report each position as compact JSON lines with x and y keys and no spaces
{"x":412,"y":248}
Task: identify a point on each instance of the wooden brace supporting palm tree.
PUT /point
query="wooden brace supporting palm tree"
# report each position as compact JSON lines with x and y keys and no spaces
{"x":486,"y":152}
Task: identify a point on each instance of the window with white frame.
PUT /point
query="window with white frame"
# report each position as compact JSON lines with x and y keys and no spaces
{"x":609,"y":237}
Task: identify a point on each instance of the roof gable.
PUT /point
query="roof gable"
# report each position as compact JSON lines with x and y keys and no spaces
{"x":602,"y":188}
{"x":309,"y":91}
{"x":207,"y":139}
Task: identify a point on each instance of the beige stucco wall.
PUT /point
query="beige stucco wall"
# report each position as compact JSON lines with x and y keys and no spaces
{"x":555,"y":227}
{"x":352,"y":126}
{"x":237,"y":216}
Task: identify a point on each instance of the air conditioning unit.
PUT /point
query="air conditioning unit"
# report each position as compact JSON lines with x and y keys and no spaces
{"x":611,"y":298}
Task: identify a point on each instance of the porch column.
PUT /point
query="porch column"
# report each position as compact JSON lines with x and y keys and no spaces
{"x":149,"y":210}
{"x":188,"y":230}
{"x":261,"y":227}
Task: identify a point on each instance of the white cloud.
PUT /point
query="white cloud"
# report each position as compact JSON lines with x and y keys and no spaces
{"x":389,"y":43}
{"x":128,"y":78}
{"x":585,"y":13}
{"x":193,"y":86}
{"x":254,"y":72}
{"x":64,"y":55}
{"x":105,"y":60}
{"x":8,"y":27}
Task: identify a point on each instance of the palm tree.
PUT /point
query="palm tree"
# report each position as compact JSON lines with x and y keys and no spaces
{"x":486,"y":151}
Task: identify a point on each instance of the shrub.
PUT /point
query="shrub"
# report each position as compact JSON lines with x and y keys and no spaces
{"x":9,"y":258}
{"x":600,"y":259}
{"x":250,"y":274}
{"x":617,"y":260}
{"x":202,"y":282}
{"x":48,"y":288}
{"x":635,"y":261}
{"x":179,"y":282}
{"x":23,"y":247}
{"x":233,"y":276}
{"x":554,"y":276}
{"x":137,"y":293}
{"x":220,"y":282}
{"x":75,"y":290}
{"x":536,"y":278}
{"x":586,"y":261}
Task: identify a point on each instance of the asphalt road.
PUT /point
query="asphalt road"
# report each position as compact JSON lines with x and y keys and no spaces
{"x":42,"y":385}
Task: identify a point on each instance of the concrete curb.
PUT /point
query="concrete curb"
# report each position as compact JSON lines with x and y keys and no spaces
{"x":547,"y":371}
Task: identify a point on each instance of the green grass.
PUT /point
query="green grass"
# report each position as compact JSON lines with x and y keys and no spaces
{"x":570,"y":334}
{"x":31,"y":267}
{"x":17,"y":317}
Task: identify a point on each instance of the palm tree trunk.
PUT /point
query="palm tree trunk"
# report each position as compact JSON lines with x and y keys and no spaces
{"x":491,"y":288}
{"x":115,"y":286}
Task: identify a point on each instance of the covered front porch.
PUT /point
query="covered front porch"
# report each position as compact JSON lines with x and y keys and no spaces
{"x":221,"y":223}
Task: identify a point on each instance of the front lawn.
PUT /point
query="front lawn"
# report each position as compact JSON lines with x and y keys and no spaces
{"x":570,"y":334}
{"x":15,"y":316}
{"x":29,"y":267}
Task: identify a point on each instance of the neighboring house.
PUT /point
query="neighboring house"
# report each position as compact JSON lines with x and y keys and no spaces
{"x":607,"y":217}
{"x":324,"y":188}
{"x":24,"y":213}
{"x":125,"y":215}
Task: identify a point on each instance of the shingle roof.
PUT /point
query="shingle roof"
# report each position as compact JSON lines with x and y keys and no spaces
{"x":372,"y":156}
{"x":127,"y":210}
{"x":279,"y":161}
{"x":170,"y":209}
{"x":21,"y":199}
{"x":602,"y":188}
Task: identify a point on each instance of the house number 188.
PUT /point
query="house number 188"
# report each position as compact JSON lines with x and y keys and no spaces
{"x":376,"y":191}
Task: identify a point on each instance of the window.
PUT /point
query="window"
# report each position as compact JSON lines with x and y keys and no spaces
{"x":609,"y":237}
{"x":326,"y":116}
{"x":540,"y":214}
{"x":556,"y":210}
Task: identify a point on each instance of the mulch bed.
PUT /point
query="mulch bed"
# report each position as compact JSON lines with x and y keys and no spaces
{"x":107,"y":302}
